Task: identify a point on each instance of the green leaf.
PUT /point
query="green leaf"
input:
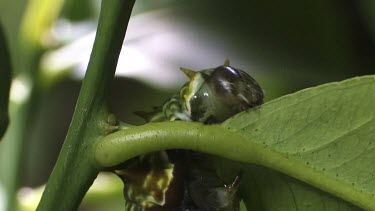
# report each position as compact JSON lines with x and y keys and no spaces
{"x":5,"y":76}
{"x":322,"y":137}
{"x":265,"y":189}
{"x":328,"y":129}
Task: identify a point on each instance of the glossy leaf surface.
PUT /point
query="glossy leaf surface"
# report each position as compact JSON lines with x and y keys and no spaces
{"x":322,"y":137}
{"x":328,"y":129}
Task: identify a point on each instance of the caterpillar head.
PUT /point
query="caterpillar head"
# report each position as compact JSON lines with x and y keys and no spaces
{"x":213,"y":95}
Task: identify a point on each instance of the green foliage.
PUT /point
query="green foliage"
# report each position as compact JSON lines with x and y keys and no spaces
{"x":328,"y":129}
{"x":266,"y":189}
{"x":322,"y":136}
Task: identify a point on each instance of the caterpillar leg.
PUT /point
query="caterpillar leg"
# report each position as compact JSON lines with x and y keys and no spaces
{"x":208,"y":192}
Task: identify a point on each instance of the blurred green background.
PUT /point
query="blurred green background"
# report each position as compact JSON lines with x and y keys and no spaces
{"x":285,"y":45}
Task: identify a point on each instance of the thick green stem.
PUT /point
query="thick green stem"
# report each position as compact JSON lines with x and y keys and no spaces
{"x":76,"y":168}
{"x":216,"y":139}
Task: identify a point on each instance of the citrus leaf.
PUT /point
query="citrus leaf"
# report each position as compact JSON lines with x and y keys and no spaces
{"x":265,"y":189}
{"x":323,"y":136}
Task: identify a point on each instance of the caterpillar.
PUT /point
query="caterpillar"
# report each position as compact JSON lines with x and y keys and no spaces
{"x":182,"y":179}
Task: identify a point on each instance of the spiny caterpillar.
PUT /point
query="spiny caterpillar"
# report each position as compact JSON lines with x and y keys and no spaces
{"x":182,"y":179}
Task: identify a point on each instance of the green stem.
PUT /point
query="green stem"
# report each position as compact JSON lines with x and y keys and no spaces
{"x":76,"y":168}
{"x":216,"y":139}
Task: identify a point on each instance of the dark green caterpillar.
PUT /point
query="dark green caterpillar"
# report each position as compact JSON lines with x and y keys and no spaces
{"x":187,"y":180}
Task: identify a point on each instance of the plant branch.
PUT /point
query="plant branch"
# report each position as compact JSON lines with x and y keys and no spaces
{"x":91,"y":119}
